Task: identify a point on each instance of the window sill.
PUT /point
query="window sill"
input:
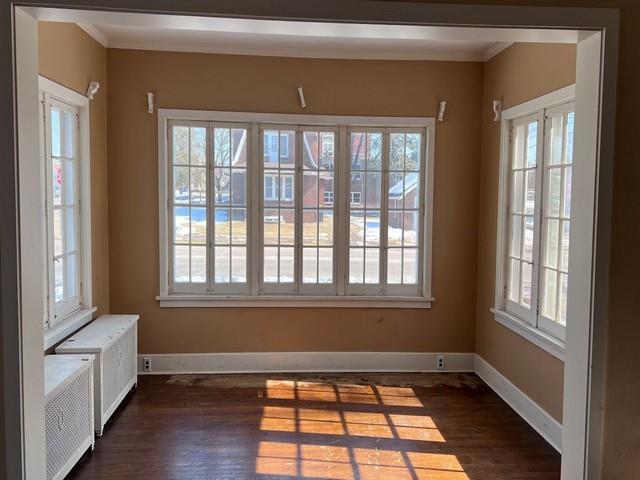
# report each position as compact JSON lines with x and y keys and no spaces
{"x":67,"y":326}
{"x":546,"y":342}
{"x":184,"y":300}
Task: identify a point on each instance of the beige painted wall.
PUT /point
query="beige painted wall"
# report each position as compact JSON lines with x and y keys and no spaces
{"x":67,"y":55}
{"x":245,"y":83}
{"x":520,"y":73}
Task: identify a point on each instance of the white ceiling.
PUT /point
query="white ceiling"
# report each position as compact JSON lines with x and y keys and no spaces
{"x":297,"y":39}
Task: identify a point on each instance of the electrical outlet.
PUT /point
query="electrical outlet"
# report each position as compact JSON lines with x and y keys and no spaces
{"x":440,"y":362}
{"x":146,"y":364}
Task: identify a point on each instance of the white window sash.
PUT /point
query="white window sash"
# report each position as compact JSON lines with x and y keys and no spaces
{"x":256,"y":128}
{"x":555,"y":103}
{"x":53,"y":94}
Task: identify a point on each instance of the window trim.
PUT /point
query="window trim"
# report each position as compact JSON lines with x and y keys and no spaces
{"x":522,"y":326}
{"x":79,"y":316}
{"x":257,"y":121}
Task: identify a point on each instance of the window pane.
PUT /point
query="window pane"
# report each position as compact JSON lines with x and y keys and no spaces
{"x":410,"y":266}
{"x":518,"y":147}
{"x":239,"y":147}
{"x":532,"y":143}
{"x":309,"y":265}
{"x":221,"y":147}
{"x":326,"y":187}
{"x":181,"y":264}
{"x":310,"y":227}
{"x":56,"y":132}
{"x":396,"y":190}
{"x":325,"y":265}
{"x":411,"y":190}
{"x":239,"y":264}
{"x":514,"y":281}
{"x":71,"y":265}
{"x":525,"y":282}
{"x":527,"y":253}
{"x":180,"y":184}
{"x":69,"y":139}
{"x":358,"y":151}
{"x":310,"y":149}
{"x":413,"y":150}
{"x":356,"y":227}
{"x":222,"y":265}
{"x":310,"y":189}
{"x":181,"y":224}
{"x":57,"y":182}
{"x":517,"y":192}
{"x":199,"y":264}
{"x":394,"y":265}
{"x":57,"y":232}
{"x":239,"y":226}
{"x":564,"y":265}
{"x":556,"y":141}
{"x":563,"y":298}
{"x":198,"y":146}
{"x":530,"y":204}
{"x":567,"y":192}
{"x":553,"y":189}
{"x":372,"y":225}
{"x":238,"y":186}
{"x":198,"y":186}
{"x":356,"y":265}
{"x":287,"y":226}
{"x":372,"y":265}
{"x":271,"y":226}
{"x":516,"y":236}
{"x":551,"y":245}
{"x":327,"y":150}
{"x":286,"y":264}
{"x":374,"y":151}
{"x":396,"y":155}
{"x":270,"y":265}
{"x":180,"y":145}
{"x":58,"y":279}
{"x":325,"y":227}
{"x":395,"y":226}
{"x":550,"y":287}
{"x":70,"y":183}
{"x":70,"y":234}
{"x":222,"y":186}
{"x":569,"y":146}
{"x":270,"y":148}
{"x":199,"y":225}
{"x":373,"y":189}
{"x":222,"y":226}
{"x":411,"y":226}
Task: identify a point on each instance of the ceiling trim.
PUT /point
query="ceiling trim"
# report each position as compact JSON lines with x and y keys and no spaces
{"x":302,"y":52}
{"x":94,"y":33}
{"x":495,"y":50}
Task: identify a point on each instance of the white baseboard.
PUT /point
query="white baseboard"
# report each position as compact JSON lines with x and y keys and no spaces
{"x":530,"y":411}
{"x":261,"y":362}
{"x":325,"y":362}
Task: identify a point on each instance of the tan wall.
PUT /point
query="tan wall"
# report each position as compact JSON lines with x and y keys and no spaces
{"x":520,"y":73}
{"x":244,"y":83}
{"x":67,"y":55}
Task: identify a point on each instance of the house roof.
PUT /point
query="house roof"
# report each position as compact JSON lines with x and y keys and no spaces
{"x":396,"y":192}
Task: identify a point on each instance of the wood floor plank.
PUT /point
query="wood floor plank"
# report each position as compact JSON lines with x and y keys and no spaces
{"x":343,"y":427}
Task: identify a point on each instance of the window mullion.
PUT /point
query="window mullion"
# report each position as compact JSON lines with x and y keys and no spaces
{"x":210,"y":214}
{"x":298,"y":186}
{"x":537,"y":223}
{"x":254,"y":241}
{"x":384,"y":211}
{"x":341,"y":242}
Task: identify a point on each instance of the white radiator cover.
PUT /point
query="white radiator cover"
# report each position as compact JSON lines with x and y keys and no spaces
{"x":69,"y":424}
{"x":113,"y":339}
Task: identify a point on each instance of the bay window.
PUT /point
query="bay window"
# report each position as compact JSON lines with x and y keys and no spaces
{"x":259,"y":206}
{"x":533,"y":247}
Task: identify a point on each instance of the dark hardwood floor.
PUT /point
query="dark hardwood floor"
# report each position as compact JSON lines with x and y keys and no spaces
{"x":345,"y":426}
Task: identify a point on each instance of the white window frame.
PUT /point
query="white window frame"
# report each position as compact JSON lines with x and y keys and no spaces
{"x":522,"y":321}
{"x":274,"y":186}
{"x":258,"y":122}
{"x":352,"y":198}
{"x":56,"y":328}
{"x":328,"y":197}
